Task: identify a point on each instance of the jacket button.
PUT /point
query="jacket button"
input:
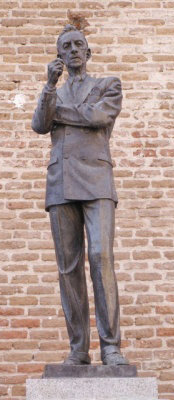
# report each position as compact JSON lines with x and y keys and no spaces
{"x":66,"y":157}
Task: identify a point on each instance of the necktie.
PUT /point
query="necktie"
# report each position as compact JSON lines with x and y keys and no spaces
{"x":75,"y":85}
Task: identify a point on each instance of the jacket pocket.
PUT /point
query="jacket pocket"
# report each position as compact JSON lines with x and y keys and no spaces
{"x":53,"y":160}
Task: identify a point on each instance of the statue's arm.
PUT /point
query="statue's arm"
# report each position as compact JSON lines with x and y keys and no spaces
{"x":45,"y":111}
{"x":99,"y":114}
{"x":46,"y":108}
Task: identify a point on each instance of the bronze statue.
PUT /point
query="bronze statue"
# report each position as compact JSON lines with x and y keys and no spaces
{"x":80,"y":192}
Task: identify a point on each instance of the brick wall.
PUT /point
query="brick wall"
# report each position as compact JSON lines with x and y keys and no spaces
{"x":132,"y":40}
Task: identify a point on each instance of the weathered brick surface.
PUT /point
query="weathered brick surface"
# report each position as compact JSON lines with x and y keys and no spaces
{"x":132,"y":40}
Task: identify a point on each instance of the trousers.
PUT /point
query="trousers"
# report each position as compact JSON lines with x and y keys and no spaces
{"x":67,"y":226}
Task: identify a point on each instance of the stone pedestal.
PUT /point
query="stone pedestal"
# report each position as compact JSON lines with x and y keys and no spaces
{"x":89,"y":371}
{"x":61,"y":382}
{"x":92,"y":389}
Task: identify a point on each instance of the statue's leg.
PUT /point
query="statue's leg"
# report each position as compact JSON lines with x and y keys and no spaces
{"x":67,"y":225}
{"x":99,"y":218}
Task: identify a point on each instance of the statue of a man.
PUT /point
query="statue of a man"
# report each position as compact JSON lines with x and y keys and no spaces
{"x":80,"y":193}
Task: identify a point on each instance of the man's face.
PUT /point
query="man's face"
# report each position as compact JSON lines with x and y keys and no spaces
{"x":73,"y":49}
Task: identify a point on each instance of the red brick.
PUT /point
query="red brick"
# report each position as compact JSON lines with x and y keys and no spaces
{"x":12,"y":244}
{"x":3,"y":390}
{"x":149,"y":343}
{"x":170,"y":342}
{"x":148,"y":4}
{"x":3,"y":279}
{"x":134,"y":242}
{"x":19,"y":390}
{"x":13,"y":379}
{"x":170,"y":297}
{"x":4,"y":322}
{"x":23,"y":300}
{"x":37,"y":290}
{"x":148,"y":320}
{"x":25,"y":256}
{"x":135,"y":184}
{"x":136,"y":288}
{"x":35,"y":245}
{"x":7,"y":290}
{"x":141,"y":299}
{"x":165,"y":31}
{"x":44,"y":334}
{"x":166,"y":376}
{"x":164,"y":309}
{"x":164,"y":288}
{"x":122,"y":255}
{"x":133,"y":76}
{"x":24,"y":279}
{"x":37,"y":312}
{"x":32,"y":215}
{"x":17,"y":357}
{"x":169,"y":255}
{"x":25,"y":323}
{"x":50,"y":278}
{"x":13,"y":334}
{"x":49,"y":356}
{"x":144,"y":255}
{"x":120,"y":67}
{"x":139,"y":355}
{"x":152,"y":21}
{"x":54,"y":346}
{"x":169,"y":4}
{"x":65,"y":4}
{"x":19,"y":204}
{"x":30,"y":368}
{"x":30,"y":50}
{"x":35,"y":4}
{"x":130,"y":40}
{"x":53,"y":323}
{"x":44,"y":269}
{"x":166,"y":388}
{"x":26,"y":345}
{"x":164,"y":265}
{"x":7,"y":311}
{"x":50,"y":300}
{"x":147,"y":276}
{"x":134,"y":58}
{"x":165,"y":331}
{"x":5,"y":345}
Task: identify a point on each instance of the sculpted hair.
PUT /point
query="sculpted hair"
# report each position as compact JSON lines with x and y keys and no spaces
{"x":69,"y":28}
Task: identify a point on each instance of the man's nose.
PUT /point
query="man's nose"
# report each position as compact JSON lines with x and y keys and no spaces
{"x":73,"y":48}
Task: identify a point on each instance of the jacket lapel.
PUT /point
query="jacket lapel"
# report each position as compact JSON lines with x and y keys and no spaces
{"x":84,"y":89}
{"x":66,"y":96}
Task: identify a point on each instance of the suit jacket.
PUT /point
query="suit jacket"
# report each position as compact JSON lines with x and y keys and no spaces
{"x":80,"y":166}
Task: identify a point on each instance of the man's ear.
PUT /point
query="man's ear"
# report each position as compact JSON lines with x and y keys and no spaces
{"x":88,"y":54}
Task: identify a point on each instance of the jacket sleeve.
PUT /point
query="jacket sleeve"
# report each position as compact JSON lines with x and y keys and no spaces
{"x":45,"y":111}
{"x":99,"y":114}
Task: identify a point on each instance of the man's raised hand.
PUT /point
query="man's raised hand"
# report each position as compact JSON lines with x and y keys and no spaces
{"x":55,"y":69}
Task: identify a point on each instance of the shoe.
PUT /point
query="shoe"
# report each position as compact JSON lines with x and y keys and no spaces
{"x":114,"y":359}
{"x":77,"y":359}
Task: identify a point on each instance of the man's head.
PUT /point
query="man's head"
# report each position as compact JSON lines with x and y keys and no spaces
{"x":72,"y":47}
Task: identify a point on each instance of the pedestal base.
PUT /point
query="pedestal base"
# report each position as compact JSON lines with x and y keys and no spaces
{"x":92,"y":389}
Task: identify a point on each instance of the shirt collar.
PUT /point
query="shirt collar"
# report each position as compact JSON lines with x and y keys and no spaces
{"x":78,"y":78}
